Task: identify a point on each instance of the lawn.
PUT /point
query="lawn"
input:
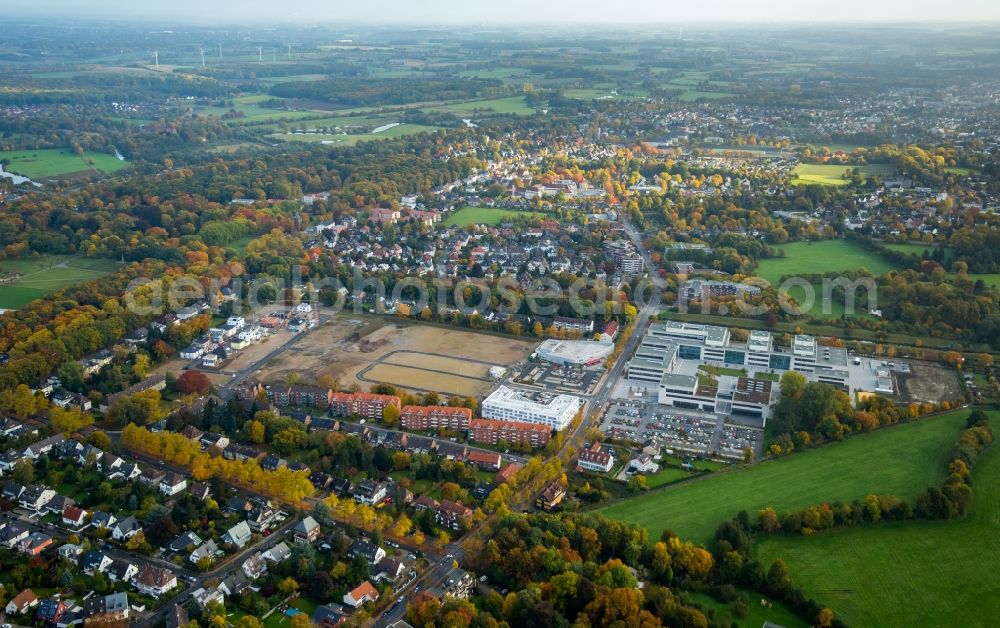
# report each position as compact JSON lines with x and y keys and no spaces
{"x":917,"y":573}
{"x":276,"y":619}
{"x":55,"y":162}
{"x":827,"y":174}
{"x":48,"y":273}
{"x":918,"y":249}
{"x":901,"y":460}
{"x":485,"y":216}
{"x":666,"y":476}
{"x":823,"y":256}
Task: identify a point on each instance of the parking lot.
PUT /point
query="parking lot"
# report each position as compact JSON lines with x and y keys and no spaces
{"x":576,"y":380}
{"x":699,"y":434}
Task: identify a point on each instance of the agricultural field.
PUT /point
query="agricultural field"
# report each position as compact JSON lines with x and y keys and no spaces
{"x":56,"y":162}
{"x":940,"y":573}
{"x":918,"y":249}
{"x":803,"y":258}
{"x":485,"y":216}
{"x":992,"y":279}
{"x":827,"y":174}
{"x":363,"y":350}
{"x":693,"y":95}
{"x":902,"y":460}
{"x":48,"y":273}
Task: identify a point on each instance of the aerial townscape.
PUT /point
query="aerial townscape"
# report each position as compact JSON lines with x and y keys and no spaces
{"x":424,"y":315}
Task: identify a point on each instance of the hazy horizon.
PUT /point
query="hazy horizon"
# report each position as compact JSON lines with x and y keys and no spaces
{"x":526,"y":12}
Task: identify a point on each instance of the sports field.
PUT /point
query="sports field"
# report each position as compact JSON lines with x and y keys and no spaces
{"x":48,"y":273}
{"x":822,"y":256}
{"x":902,"y":460}
{"x":55,"y":162}
{"x":827,"y":174}
{"x":485,"y":216}
{"x":907,"y":574}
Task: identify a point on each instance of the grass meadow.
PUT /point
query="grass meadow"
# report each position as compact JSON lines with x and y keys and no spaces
{"x":48,"y":273}
{"x":902,"y":460}
{"x":822,"y":256}
{"x":485,"y":216}
{"x":930,"y":573}
{"x":55,"y":162}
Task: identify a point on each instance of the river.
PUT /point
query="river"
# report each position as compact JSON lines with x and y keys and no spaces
{"x":16,"y":178}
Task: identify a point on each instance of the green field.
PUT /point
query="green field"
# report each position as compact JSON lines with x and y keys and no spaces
{"x":992,"y":279}
{"x":485,"y":216}
{"x":510,"y":105}
{"x":901,"y":460}
{"x":350,"y":140}
{"x":915,"y":248}
{"x":907,"y":574}
{"x":55,"y":162}
{"x":827,"y":174}
{"x":46,"y":274}
{"x":693,"y":95}
{"x":822,"y":256}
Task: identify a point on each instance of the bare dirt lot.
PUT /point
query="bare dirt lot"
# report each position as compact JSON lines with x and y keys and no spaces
{"x":928,"y":382}
{"x":353,"y":350}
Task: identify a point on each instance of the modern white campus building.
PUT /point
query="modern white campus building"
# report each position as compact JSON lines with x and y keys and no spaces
{"x":509,"y":404}
{"x":671,"y":354}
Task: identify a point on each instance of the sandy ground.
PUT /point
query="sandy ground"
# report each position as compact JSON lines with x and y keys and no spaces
{"x":344,"y":347}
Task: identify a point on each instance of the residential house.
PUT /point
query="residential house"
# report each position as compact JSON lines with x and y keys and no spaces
{"x":34,"y":544}
{"x":235,"y":584}
{"x":203,"y":597}
{"x":101,"y":519}
{"x":95,"y":561}
{"x":122,"y":570}
{"x":154,"y":581}
{"x":11,"y":534}
{"x":307,"y":530}
{"x":362,"y":547}
{"x":51,"y":611}
{"x":35,"y":497}
{"x":255,"y":566}
{"x":261,"y":517}
{"x":207,"y":550}
{"x":107,"y":610}
{"x":364,"y":592}
{"x":58,"y":504}
{"x":389,"y":569}
{"x":126,"y":528}
{"x":485,"y":460}
{"x":22,"y":602}
{"x":172,"y":484}
{"x":369,"y":492}
{"x":278,"y":553}
{"x":185,"y":541}
{"x":451,"y":514}
{"x":507,"y":472}
{"x":201,"y":491}
{"x":551,"y":496}
{"x":238,"y":535}
{"x":328,"y":616}
{"x":425,"y":418}
{"x":74,"y":517}
{"x":596,"y":459}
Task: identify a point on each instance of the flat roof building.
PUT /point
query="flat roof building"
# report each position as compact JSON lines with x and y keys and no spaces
{"x":509,"y":404}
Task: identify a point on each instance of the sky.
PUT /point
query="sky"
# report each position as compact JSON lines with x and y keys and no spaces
{"x":537,"y":12}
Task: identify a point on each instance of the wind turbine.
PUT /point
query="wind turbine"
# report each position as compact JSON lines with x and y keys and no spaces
{"x":202,"y":51}
{"x":289,"y":51}
{"x":274,"y":56}
{"x":260,"y":54}
{"x":156,"y":59}
{"x":220,"y":51}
